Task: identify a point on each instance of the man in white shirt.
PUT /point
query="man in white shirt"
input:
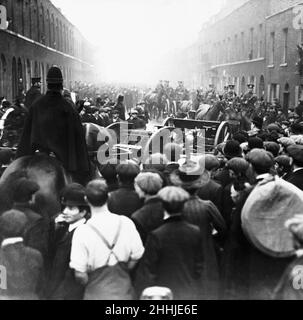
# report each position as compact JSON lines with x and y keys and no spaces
{"x":89,"y":251}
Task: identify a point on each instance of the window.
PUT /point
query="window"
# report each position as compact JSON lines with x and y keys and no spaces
{"x":251,"y":50}
{"x":242,"y":45}
{"x":285,"y":37}
{"x":236,"y":49}
{"x":274,"y":92}
{"x":260,"y":42}
{"x":272,"y":48}
{"x":228,"y":50}
{"x":224,"y":52}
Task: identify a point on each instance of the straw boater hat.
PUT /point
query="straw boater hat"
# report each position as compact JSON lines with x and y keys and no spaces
{"x":191,"y":175}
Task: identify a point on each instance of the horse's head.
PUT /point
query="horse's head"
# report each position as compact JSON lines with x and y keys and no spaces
{"x":97,"y":136}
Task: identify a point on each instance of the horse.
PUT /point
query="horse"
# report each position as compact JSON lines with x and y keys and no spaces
{"x":210,"y":113}
{"x":151,"y":101}
{"x":49,"y":173}
{"x":185,"y":106}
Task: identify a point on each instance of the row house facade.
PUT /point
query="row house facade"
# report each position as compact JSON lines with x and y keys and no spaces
{"x":255,"y":43}
{"x":38,"y":36}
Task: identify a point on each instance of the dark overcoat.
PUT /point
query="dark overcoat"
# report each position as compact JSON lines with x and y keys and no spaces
{"x":31,"y":96}
{"x":149,"y":217}
{"x":24,"y":268}
{"x":61,"y":282}
{"x":174,"y":259}
{"x":212,"y":191}
{"x":124,"y":201}
{"x":206,"y":216}
{"x":296,"y":178}
{"x":54,"y":126}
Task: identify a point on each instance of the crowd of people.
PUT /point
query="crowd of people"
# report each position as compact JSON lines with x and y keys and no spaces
{"x":169,"y":225}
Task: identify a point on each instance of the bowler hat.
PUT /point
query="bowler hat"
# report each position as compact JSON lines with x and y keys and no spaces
{"x":24,"y":189}
{"x":73,"y":195}
{"x":296,"y":152}
{"x":54,"y":76}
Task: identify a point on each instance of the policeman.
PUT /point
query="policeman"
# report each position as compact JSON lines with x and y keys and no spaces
{"x":54,"y":127}
{"x":33,"y":93}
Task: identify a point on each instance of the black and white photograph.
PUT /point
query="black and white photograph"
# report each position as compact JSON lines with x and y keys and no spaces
{"x":151,"y":151}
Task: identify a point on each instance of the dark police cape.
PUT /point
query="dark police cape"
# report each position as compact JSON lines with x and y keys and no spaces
{"x":54,"y":126}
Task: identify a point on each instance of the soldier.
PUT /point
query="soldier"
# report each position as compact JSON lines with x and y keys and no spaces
{"x":231,"y":94}
{"x":181,"y":92}
{"x":33,"y":93}
{"x":249,"y":99}
{"x":225,"y":93}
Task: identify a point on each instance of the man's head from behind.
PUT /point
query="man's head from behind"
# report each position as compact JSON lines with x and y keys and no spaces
{"x":261,"y":160}
{"x":54,"y":79}
{"x":127,"y":172}
{"x":96,"y":193}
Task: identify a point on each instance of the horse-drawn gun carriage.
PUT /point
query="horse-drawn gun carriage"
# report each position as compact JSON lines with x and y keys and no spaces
{"x":121,"y":142}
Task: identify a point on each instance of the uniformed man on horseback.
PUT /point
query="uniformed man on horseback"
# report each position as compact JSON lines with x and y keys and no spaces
{"x":231,"y":95}
{"x":250,"y":98}
{"x":54,"y":127}
{"x":181,"y":92}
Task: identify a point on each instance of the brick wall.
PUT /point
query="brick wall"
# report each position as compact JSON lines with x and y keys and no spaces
{"x":222,"y":60}
{"x":284,"y":73}
{"x":230,"y":42}
{"x":21,"y":58}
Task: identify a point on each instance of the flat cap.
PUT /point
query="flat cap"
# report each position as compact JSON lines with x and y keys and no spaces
{"x":260,"y":158}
